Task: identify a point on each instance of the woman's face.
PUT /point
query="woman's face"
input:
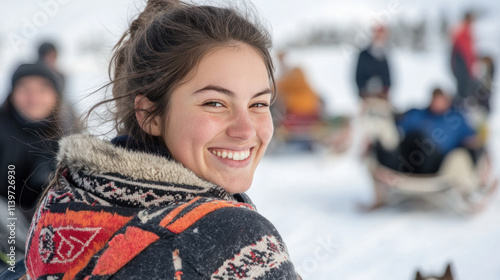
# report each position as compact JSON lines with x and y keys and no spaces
{"x":218,"y":122}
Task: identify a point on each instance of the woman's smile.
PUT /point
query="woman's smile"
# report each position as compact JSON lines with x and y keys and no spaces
{"x":234,"y":155}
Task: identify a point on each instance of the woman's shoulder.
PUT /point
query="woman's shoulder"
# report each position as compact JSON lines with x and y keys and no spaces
{"x":204,"y":238}
{"x":212,"y":216}
{"x":233,"y":240}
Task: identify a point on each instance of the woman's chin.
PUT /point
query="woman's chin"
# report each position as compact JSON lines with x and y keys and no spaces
{"x":236,"y":186}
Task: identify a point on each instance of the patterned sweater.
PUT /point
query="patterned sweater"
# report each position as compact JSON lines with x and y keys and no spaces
{"x":122,"y":213}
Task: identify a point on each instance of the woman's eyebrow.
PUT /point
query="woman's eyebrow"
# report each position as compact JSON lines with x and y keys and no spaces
{"x":229,"y":92}
{"x":266,"y":91}
{"x":216,"y":88}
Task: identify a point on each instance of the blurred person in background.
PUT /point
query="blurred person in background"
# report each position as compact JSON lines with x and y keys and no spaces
{"x":30,"y":122}
{"x":428,"y":135}
{"x":439,"y":143}
{"x":300,"y":106}
{"x":485,"y":87}
{"x":296,"y":93}
{"x":47,"y":54}
{"x":463,"y":58}
{"x":373,"y":77}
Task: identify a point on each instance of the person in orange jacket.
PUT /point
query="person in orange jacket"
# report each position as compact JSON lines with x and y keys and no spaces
{"x":297,"y":96}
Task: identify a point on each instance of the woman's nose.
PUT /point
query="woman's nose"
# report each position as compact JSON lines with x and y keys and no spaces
{"x":241,"y":126}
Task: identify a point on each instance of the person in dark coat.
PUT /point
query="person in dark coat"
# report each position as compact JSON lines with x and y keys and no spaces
{"x":373,"y":77}
{"x":28,"y":119}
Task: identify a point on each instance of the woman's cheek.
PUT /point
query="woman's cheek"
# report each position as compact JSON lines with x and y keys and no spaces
{"x":206,"y":126}
{"x":266,"y":129}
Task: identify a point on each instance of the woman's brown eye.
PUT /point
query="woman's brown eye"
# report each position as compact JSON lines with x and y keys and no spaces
{"x":213,"y":104}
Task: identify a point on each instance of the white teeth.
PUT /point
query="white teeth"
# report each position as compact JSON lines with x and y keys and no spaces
{"x":237,"y":156}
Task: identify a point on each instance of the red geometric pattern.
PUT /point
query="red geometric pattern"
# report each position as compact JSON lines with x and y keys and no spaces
{"x":70,"y":242}
{"x":65,"y":242}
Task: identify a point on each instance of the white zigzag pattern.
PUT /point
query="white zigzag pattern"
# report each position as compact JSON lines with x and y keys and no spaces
{"x":254,"y":261}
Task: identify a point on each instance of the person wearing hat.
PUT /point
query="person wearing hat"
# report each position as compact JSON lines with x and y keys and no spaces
{"x":29,"y":120}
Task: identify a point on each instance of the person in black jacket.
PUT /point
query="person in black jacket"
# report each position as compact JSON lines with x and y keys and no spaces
{"x":373,"y":76}
{"x":28,"y":142}
{"x":28,"y":119}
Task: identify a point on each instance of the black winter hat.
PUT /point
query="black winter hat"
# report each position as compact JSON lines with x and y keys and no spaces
{"x":37,"y":69}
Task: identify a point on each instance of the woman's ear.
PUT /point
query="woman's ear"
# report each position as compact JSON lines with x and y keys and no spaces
{"x":143,"y":106}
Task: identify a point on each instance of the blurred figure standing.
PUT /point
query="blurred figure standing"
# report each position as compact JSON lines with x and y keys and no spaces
{"x":463,"y":58}
{"x":486,"y":81}
{"x":373,"y":77}
{"x":47,"y":54}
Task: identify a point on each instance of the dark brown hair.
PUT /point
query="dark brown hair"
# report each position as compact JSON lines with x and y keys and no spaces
{"x":161,"y":48}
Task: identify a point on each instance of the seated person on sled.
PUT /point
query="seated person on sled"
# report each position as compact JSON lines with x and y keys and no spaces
{"x":440,"y":154}
{"x":428,"y":135}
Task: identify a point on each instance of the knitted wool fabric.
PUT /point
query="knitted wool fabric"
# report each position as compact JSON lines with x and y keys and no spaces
{"x":121,"y":213}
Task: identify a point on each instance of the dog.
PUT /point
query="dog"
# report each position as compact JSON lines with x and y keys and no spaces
{"x":446,"y":276}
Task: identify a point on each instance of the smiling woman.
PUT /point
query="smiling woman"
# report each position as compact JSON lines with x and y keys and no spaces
{"x":219,"y":124}
{"x":165,"y":199}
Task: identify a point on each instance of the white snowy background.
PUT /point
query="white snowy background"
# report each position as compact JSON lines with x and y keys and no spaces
{"x":311,"y":198}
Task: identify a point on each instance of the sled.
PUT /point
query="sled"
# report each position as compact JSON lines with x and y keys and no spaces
{"x":332,"y":133}
{"x":463,"y":191}
{"x":459,"y":184}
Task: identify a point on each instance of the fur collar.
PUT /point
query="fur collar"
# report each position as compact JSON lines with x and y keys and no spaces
{"x":96,"y":156}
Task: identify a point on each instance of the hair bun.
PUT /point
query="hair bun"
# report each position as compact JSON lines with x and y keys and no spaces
{"x":160,"y":5}
{"x":152,"y":8}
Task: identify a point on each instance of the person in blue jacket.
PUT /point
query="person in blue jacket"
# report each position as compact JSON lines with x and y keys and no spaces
{"x":428,"y":135}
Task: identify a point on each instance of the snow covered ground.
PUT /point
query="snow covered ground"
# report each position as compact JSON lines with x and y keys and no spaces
{"x":311,"y":198}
